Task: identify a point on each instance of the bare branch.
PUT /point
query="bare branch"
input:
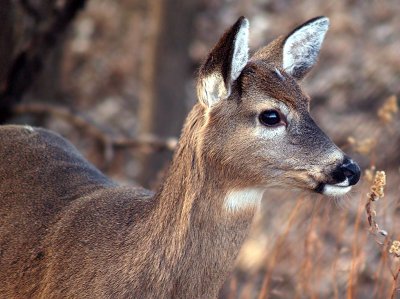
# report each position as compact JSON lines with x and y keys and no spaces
{"x":148,"y":142}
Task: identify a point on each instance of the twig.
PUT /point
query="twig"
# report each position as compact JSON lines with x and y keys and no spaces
{"x":394,"y":288}
{"x":109,"y":142}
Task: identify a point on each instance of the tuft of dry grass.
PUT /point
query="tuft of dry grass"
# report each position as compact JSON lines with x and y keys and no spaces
{"x":395,"y":248}
{"x":388,"y":110}
{"x":377,"y":188}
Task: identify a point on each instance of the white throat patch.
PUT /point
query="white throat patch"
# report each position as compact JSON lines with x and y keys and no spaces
{"x":238,"y":200}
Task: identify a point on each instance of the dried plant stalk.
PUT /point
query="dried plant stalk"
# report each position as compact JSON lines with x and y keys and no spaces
{"x":392,"y":247}
{"x":376,"y":192}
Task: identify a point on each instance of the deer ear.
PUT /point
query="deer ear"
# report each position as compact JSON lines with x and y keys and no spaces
{"x":301,"y":47}
{"x":224,"y":64}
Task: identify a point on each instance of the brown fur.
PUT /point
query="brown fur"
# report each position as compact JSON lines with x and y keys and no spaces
{"x":67,"y":231}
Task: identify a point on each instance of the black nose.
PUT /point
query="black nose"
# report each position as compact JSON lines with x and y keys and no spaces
{"x":351,"y":171}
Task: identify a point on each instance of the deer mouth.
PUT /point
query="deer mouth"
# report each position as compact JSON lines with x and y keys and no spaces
{"x":343,"y":177}
{"x":334,"y":190}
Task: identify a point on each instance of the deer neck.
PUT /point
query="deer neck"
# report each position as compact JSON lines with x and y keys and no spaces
{"x":201,"y":229}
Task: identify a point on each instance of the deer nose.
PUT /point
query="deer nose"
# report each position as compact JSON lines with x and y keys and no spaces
{"x":351,"y":171}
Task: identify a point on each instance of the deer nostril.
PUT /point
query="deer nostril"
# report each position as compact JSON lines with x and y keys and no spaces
{"x":348,"y":173}
{"x":351,"y":171}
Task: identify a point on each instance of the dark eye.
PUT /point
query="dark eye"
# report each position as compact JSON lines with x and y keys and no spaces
{"x":270,"y":118}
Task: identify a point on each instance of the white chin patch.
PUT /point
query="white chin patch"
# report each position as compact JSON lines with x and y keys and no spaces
{"x":337,"y":190}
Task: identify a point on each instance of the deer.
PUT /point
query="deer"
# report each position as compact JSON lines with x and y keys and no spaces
{"x":68,"y":231}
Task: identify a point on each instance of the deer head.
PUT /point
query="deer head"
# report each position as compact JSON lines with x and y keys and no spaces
{"x":258,"y":130}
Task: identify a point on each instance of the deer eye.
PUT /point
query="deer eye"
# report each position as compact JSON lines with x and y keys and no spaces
{"x":270,"y":118}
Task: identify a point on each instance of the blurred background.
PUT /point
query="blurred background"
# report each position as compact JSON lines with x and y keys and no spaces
{"x":117,"y":79}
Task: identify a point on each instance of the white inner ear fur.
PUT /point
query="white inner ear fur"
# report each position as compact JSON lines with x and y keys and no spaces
{"x":240,"y":51}
{"x":301,"y":49}
{"x":213,"y":87}
{"x":238,"y":200}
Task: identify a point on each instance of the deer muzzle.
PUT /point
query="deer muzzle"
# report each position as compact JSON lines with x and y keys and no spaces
{"x":344,"y":176}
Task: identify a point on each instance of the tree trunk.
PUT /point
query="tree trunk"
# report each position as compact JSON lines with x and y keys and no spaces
{"x":6,"y":40}
{"x":163,"y":108}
